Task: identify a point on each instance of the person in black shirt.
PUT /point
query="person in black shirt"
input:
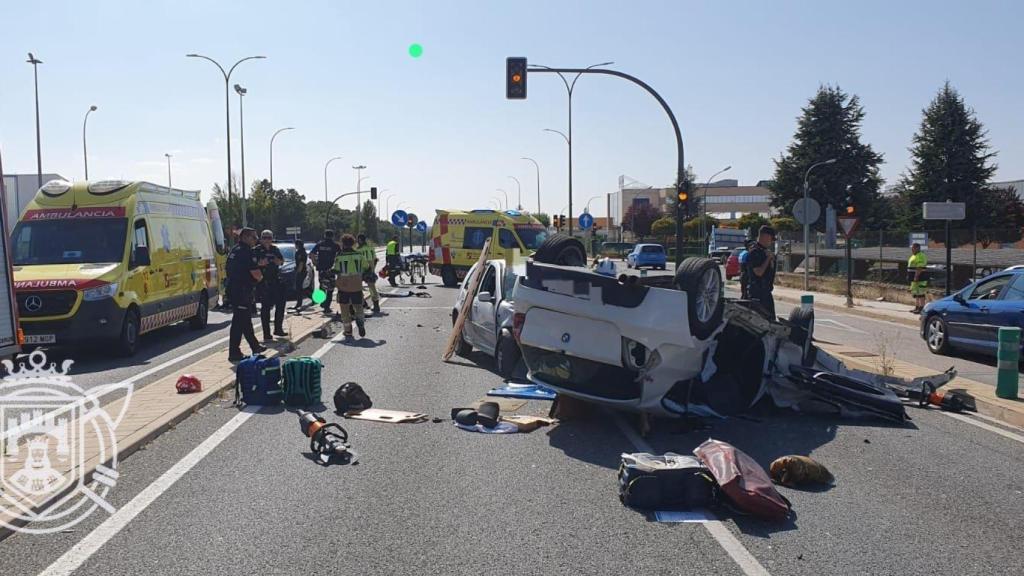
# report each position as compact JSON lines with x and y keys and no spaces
{"x":761,"y":270}
{"x":271,"y":290}
{"x":301,"y":271}
{"x":243,"y":273}
{"x":323,"y":255}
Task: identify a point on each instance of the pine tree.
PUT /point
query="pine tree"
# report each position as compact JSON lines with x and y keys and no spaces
{"x":951,"y":159}
{"x":830,"y":128}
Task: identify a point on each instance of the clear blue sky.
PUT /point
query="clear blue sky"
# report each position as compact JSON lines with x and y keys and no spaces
{"x":438,"y":132}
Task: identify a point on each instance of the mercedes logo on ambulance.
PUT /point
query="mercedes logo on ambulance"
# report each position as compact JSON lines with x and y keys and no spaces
{"x":33,"y":303}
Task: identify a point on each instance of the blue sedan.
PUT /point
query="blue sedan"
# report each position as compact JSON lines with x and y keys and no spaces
{"x":650,"y":255}
{"x":970,"y":319}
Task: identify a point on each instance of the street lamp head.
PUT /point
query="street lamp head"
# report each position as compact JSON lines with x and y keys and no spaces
{"x":167,"y":155}
{"x":727,"y":168}
{"x":92,"y":108}
{"x":359,"y":167}
{"x":33,"y":60}
{"x":241,"y":91}
{"x":186,"y":55}
{"x":830,"y":161}
{"x":603,"y":64}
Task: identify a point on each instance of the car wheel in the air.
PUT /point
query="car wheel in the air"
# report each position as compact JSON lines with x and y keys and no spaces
{"x":701,"y":279}
{"x":562,"y":250}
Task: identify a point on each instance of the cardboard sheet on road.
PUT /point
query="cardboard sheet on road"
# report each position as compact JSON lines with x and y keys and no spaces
{"x":506,"y":405}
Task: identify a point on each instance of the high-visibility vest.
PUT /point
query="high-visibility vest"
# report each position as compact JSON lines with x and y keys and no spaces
{"x":368,"y":255}
{"x":349,"y":264}
{"x":392,"y":248}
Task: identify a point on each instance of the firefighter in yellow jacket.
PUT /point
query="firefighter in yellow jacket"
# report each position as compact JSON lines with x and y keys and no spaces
{"x":348,"y":267}
{"x":369,"y":276}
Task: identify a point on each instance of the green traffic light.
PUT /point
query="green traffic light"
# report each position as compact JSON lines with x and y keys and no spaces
{"x":415,"y":50}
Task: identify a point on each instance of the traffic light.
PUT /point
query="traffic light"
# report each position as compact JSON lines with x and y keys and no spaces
{"x":373,"y":192}
{"x":851,"y":210}
{"x":683,"y":196}
{"x":515,"y":78}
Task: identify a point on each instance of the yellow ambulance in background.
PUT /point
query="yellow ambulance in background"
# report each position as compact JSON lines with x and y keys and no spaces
{"x":112,"y":260}
{"x":457,"y":237}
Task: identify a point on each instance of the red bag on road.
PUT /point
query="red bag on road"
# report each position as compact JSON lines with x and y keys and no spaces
{"x":743,"y":481}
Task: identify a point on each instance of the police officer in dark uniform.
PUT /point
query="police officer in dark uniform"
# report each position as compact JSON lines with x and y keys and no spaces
{"x":243,"y":274}
{"x":323,"y":255}
{"x":761,"y":270}
{"x":271,"y":290}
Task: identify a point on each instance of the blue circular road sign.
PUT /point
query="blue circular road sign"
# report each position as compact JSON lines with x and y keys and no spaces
{"x":399,"y":217}
{"x":586,"y":221}
{"x":421,"y":226}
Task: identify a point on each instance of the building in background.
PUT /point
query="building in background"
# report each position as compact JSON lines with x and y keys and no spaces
{"x":1017,"y":185}
{"x":21,"y":189}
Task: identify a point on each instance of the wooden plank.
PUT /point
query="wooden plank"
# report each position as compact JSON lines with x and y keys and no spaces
{"x":460,"y":321}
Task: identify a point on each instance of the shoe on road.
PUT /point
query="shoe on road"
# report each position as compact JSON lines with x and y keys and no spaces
{"x":280,"y":333}
{"x":235,"y":357}
{"x":362,"y":330}
{"x":258,"y":349}
{"x":376,"y":306}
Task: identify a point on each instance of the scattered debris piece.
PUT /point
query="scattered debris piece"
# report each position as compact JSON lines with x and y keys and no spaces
{"x":524,"y":391}
{"x":669,"y":481}
{"x":499,"y":428}
{"x":188,"y":384}
{"x":684,"y":516}
{"x":350,"y":397}
{"x":528,"y":423}
{"x":393,"y":416}
{"x":799,"y":470}
{"x":866,"y":441}
{"x":742,"y":480}
{"x":507,"y":405}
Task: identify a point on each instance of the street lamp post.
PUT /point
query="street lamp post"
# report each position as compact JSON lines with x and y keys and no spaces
{"x":592,"y":198}
{"x":85,"y":148}
{"x":327,"y":212}
{"x":519,"y":204}
{"x":569,"y":88}
{"x":241,"y":140}
{"x":359,"y":170}
{"x":168,"y":156}
{"x":387,"y":206}
{"x":807,"y":225}
{"x":704,"y":203}
{"x":537,"y":166}
{"x":497,"y":201}
{"x":35,"y":62}
{"x":506,"y":197}
{"x":227,"y":107}
{"x":272,"y":154}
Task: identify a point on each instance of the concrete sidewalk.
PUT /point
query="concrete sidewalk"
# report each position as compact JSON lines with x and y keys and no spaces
{"x":150,"y":411}
{"x":889,"y":311}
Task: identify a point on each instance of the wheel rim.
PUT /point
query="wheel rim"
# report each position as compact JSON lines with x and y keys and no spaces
{"x":936,"y":334}
{"x":131,"y":333}
{"x":708,"y":293}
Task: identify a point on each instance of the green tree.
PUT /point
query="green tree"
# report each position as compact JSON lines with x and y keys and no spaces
{"x":784,"y":224}
{"x":689,"y":180}
{"x":664,"y":226}
{"x":829,"y":127}
{"x":951,"y":159}
{"x":368,"y":221}
{"x":543,"y":218}
{"x":751,"y":222}
{"x":639,"y":219}
{"x":692,"y":227}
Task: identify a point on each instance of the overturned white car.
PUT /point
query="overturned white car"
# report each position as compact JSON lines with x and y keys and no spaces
{"x":675,"y":345}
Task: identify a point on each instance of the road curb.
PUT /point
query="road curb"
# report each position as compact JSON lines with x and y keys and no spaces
{"x":913,"y":322}
{"x":175,"y":416}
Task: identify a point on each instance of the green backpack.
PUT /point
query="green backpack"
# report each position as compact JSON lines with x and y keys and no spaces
{"x":301,"y":381}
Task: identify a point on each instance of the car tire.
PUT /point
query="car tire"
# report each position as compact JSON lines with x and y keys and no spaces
{"x":448,"y":277}
{"x":462,"y":348}
{"x":701,"y":279}
{"x":506,"y":354}
{"x":936,"y":334}
{"x":802,"y":333}
{"x":128,"y":341}
{"x":562,"y":250}
{"x":199,"y":321}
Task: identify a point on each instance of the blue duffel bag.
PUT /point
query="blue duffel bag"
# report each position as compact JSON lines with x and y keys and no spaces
{"x":258,"y":381}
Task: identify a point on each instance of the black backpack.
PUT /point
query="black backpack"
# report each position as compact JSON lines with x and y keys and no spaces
{"x":350,"y":397}
{"x":669,"y":481}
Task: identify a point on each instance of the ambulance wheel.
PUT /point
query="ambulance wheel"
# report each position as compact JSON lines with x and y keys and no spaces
{"x":563,"y":250}
{"x":448,"y":277}
{"x":701,"y":279}
{"x":198,"y":322}
{"x":128,"y":342}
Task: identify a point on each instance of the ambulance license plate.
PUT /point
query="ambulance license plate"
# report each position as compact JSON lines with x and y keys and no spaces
{"x":40,"y":338}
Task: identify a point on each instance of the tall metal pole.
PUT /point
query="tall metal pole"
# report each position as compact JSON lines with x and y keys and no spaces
{"x":35,"y":62}
{"x":807,"y":225}
{"x":506,"y":197}
{"x":519,"y":205}
{"x":241,"y":127}
{"x":227,"y":108}
{"x":537,"y":167}
{"x":85,"y":148}
{"x":704,"y":204}
{"x":359,"y":202}
{"x":168,"y":156}
{"x":327,"y":212}
{"x":272,"y":154}
{"x":387,"y":206}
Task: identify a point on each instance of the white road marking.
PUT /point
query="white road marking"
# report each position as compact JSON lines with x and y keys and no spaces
{"x":984,"y":426}
{"x":419,"y":307}
{"x":718,"y":530}
{"x":838,"y":325}
{"x":86,"y":547}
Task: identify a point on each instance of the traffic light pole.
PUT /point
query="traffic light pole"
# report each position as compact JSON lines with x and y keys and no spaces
{"x":680,"y":168}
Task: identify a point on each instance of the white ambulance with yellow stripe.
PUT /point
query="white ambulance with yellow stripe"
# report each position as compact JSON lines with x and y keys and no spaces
{"x":109,"y":261}
{"x":457,"y":237}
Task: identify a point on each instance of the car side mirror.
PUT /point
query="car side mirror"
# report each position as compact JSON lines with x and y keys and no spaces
{"x":485,"y":297}
{"x":141,"y":256}
{"x":959,"y":299}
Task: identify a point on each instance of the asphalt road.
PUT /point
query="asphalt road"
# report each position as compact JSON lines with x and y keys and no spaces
{"x":939,"y":496}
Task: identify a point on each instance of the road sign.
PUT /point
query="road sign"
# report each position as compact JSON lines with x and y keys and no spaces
{"x":293,"y":230}
{"x":920,"y":238}
{"x":848,"y":224}
{"x":944,"y":210}
{"x":586,"y":221}
{"x":399,"y":217}
{"x":421,"y":226}
{"x":806,"y":213}
{"x":411,"y":220}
